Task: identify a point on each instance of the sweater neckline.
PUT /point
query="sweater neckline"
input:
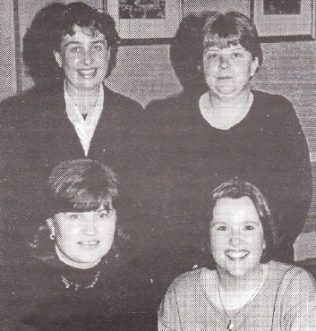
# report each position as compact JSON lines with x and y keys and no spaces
{"x":244,"y":122}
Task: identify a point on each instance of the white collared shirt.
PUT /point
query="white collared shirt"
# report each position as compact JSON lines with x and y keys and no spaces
{"x":84,"y":127}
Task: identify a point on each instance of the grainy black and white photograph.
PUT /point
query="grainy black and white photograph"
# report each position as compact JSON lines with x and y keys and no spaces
{"x":282,"y":7}
{"x":157,"y":181}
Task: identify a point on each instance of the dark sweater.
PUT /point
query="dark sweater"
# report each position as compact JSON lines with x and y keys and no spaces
{"x":33,"y":297}
{"x":190,"y":158}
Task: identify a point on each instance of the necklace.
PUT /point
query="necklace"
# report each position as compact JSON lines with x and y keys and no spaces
{"x":230,"y":325}
{"x":68,"y":283}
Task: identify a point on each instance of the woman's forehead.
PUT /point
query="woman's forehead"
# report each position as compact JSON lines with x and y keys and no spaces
{"x":83,"y":32}
{"x":85,"y":207}
{"x":222,"y":42}
{"x":232,"y":209}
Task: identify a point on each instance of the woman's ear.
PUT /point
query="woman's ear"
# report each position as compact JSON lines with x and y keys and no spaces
{"x":51,"y":226}
{"x":254,"y":66}
{"x":58,"y":58}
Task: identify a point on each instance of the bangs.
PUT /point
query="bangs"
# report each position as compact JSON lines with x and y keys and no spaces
{"x":90,"y":30}
{"x":85,"y":200}
{"x":80,"y":204}
{"x":221,"y":41}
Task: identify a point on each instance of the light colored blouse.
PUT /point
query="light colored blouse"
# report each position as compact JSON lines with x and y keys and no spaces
{"x":84,"y":127}
{"x":286,"y":301}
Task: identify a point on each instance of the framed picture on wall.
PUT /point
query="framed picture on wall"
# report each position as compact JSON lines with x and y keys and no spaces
{"x":145,"y":21}
{"x":284,"y":19}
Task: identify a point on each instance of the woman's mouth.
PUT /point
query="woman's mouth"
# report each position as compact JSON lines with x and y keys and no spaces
{"x":89,"y":243}
{"x":224,"y":77}
{"x":237,"y":255}
{"x":87,"y":73}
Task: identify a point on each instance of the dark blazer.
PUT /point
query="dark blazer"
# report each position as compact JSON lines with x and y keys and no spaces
{"x":37,"y":134}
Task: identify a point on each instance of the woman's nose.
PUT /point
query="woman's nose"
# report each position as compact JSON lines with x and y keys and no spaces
{"x":224,"y":62}
{"x":235,"y":238}
{"x":89,"y":227}
{"x":88,"y":57}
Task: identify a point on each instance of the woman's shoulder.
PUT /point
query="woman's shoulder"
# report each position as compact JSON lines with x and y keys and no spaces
{"x":190,"y":280}
{"x":173,"y":104}
{"x":121,"y":101}
{"x":273,"y":110}
{"x":283,"y":272}
{"x":263,"y":96}
{"x":26,"y":275}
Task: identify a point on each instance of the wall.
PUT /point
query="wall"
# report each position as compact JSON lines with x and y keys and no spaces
{"x":148,"y":74}
{"x":289,"y":68}
{"x":7,"y":51}
{"x":145,"y":72}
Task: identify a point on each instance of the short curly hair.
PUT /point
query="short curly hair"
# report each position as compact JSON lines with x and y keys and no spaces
{"x":237,"y":188}
{"x":47,"y":30}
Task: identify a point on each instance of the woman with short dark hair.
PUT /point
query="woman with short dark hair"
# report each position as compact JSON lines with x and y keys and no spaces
{"x":70,"y":49}
{"x":76,"y":279}
{"x":246,"y":290}
{"x":47,"y":29}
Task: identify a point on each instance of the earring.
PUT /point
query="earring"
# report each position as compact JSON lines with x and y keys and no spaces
{"x":52,"y":236}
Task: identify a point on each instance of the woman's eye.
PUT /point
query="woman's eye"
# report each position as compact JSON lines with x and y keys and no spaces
{"x":73,"y":216}
{"x":103,"y":215}
{"x":98,"y":48}
{"x":249,"y":227}
{"x":222,"y":228}
{"x":75,"y":50}
{"x":237,"y":55}
{"x":212,"y":56}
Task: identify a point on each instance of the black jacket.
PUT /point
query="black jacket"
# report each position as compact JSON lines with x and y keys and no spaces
{"x":36,"y":135}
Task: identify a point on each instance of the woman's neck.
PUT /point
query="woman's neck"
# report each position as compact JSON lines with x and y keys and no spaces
{"x":78,"y":265}
{"x":83,"y":99}
{"x":250,"y":281}
{"x":225,"y":113}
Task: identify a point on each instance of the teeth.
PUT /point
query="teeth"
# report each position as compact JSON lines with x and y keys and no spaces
{"x":87,"y":72}
{"x":89,"y":243}
{"x":237,"y":254}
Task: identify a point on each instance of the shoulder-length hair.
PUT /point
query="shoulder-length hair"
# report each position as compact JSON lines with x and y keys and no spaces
{"x":237,"y":188}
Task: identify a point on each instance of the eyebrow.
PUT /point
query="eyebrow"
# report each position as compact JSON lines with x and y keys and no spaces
{"x":213,"y":222}
{"x":74,"y":42}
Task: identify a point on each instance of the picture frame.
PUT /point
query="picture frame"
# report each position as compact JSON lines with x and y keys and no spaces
{"x":145,"y":21}
{"x":283,"y":20}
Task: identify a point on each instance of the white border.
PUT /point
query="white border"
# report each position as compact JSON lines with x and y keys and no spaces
{"x":147,"y":28}
{"x":285,"y":25}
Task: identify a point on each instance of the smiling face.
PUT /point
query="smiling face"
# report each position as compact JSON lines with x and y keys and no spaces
{"x":236,"y":236}
{"x":84,"y":56}
{"x":83,"y":238}
{"x":228,"y":70}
